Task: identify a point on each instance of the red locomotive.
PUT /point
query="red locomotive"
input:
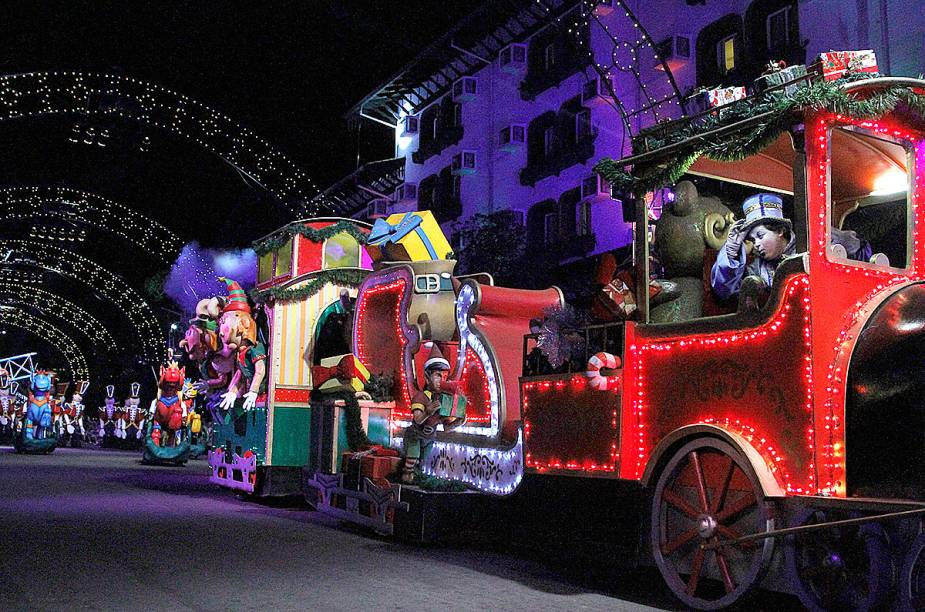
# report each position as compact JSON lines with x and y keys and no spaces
{"x":784,"y":423}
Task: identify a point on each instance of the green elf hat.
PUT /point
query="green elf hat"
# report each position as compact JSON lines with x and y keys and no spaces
{"x":237,"y":299}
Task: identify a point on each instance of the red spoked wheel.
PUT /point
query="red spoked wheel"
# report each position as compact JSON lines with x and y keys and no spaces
{"x":844,"y":568}
{"x":708,"y":493}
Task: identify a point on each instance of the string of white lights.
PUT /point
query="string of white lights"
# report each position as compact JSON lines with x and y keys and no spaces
{"x":58,"y":307}
{"x":78,"y":207}
{"x":76,"y":361}
{"x":37,"y":94}
{"x":152,"y":338}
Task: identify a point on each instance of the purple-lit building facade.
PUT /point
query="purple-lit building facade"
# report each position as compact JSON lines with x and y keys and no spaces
{"x":507,"y":113}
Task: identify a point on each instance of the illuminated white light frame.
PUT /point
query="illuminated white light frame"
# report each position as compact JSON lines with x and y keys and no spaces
{"x":468,"y":337}
{"x":498,"y":471}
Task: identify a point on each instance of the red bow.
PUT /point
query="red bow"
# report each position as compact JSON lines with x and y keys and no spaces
{"x":344,"y":371}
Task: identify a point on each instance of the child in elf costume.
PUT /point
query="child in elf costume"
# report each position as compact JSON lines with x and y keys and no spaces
{"x":426,"y":413}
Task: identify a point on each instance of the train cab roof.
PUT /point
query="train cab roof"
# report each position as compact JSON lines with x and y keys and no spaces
{"x":709,"y":144}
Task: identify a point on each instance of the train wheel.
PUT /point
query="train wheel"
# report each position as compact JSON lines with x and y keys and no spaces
{"x":708,"y":492}
{"x":912,"y":577}
{"x":839,"y":569}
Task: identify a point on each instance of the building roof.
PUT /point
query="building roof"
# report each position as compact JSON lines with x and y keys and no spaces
{"x":460,"y":52}
{"x":354,"y":191}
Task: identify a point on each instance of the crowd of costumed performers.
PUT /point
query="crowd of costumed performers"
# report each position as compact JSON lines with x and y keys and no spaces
{"x":12,"y":405}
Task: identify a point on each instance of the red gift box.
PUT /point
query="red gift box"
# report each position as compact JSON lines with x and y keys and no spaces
{"x":376,"y":467}
{"x":834,"y":64}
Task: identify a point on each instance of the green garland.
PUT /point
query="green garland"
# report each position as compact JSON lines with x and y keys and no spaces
{"x":741,"y":144}
{"x":356,"y":435}
{"x":349,"y":278}
{"x":279,"y":238}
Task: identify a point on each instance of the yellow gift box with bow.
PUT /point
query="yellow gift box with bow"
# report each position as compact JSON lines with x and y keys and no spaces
{"x":413,"y":236}
{"x":340,"y":373}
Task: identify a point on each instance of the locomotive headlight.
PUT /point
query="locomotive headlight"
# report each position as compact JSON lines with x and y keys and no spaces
{"x":892,"y":181}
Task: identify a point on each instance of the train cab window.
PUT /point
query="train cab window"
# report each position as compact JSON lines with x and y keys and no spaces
{"x":265,"y":267}
{"x":341,"y":251}
{"x":284,"y":259}
{"x":869,"y":212}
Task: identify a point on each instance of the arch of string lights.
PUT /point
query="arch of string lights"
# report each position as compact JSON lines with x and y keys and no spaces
{"x":54,"y":305}
{"x":85,"y":208}
{"x":36,"y":94}
{"x":631,"y":50}
{"x":67,"y":263}
{"x":76,"y":360}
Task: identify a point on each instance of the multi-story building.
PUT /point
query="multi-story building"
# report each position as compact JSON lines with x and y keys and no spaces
{"x":511,"y":109}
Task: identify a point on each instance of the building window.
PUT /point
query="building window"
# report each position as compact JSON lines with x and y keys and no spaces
{"x":583,"y":226}
{"x":549,"y":56}
{"x":726,"y":54}
{"x":550,"y":228}
{"x":778,"y":29}
{"x":549,"y":141}
{"x":582,"y":125}
{"x":456,"y":187}
{"x":457,"y":115}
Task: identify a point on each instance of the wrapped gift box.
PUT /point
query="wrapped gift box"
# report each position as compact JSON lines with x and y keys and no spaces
{"x":368,"y":464}
{"x":714,"y":98}
{"x":791,"y":77}
{"x":413,"y":236}
{"x":328,"y":431}
{"x":453,"y":406}
{"x":834,"y":65}
{"x":340,"y":373}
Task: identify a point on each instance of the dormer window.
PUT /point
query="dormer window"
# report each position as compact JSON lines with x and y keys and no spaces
{"x":549,"y":141}
{"x":778,"y":29}
{"x":549,"y":56}
{"x":726,"y":53}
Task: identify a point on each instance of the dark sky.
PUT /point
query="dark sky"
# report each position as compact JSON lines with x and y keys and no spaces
{"x":287,"y":69}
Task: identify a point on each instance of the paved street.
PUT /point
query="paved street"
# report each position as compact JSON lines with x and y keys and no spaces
{"x":90,"y":530}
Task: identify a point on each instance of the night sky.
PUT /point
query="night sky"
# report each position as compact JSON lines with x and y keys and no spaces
{"x":287,"y":70}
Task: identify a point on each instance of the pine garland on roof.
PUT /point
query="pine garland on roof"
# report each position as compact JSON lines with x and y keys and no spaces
{"x":346,"y":277}
{"x":279,"y":238}
{"x":740,"y":144}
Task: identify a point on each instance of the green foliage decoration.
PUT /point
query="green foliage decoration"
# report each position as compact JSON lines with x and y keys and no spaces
{"x":279,"y":238}
{"x":777,"y":109}
{"x":349,"y":278}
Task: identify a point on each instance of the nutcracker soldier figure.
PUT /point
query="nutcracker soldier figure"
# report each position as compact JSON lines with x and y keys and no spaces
{"x":74,"y":415}
{"x":134,"y":416}
{"x":106,"y":412}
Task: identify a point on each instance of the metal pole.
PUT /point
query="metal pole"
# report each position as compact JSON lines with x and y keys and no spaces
{"x":806,"y":528}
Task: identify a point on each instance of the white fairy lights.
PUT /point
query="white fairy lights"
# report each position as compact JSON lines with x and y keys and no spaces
{"x":152,"y":338}
{"x":36,"y":94}
{"x":75,"y":358}
{"x":56,"y":306}
{"x":74,"y":205}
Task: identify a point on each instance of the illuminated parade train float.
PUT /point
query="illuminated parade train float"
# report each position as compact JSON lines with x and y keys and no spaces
{"x":780,"y":429}
{"x":262,"y":422}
